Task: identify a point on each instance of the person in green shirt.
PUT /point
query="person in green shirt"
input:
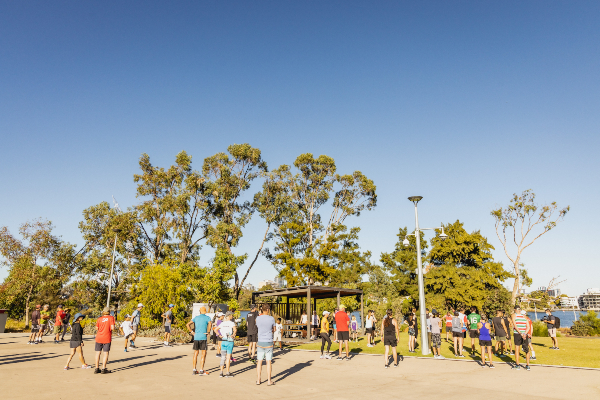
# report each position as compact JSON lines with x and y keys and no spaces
{"x":44,"y":319}
{"x":473,"y":319}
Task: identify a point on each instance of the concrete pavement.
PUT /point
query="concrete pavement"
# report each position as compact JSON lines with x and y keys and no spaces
{"x":155,"y":372}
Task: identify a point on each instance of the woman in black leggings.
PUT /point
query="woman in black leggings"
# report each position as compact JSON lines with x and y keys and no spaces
{"x":325,"y":335}
{"x":389,"y":327}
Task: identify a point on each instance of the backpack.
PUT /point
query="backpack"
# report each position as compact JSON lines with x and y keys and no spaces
{"x":556,"y":321}
{"x":456,"y":323}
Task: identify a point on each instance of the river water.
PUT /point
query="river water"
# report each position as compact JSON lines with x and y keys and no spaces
{"x":566,"y":317}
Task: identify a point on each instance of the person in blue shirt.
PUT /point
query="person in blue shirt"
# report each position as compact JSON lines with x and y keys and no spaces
{"x":202,"y":326}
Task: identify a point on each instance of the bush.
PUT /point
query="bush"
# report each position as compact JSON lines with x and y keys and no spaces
{"x":581,"y":329}
{"x":540,"y":328}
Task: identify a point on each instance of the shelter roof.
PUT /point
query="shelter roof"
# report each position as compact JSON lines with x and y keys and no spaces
{"x":316,"y":292}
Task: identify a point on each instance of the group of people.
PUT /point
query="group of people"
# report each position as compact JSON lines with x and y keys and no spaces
{"x":40,"y":319}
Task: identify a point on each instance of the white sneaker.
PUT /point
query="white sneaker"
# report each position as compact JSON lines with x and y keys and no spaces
{"x":440,"y":357}
{"x":322,"y":356}
{"x":435,"y":356}
{"x":327,"y":357}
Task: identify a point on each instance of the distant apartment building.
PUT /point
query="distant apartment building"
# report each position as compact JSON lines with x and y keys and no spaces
{"x":266,"y":282}
{"x":280,"y":281}
{"x":250,"y":287}
{"x":551,"y":292}
{"x":569,"y":302}
{"x":590,"y":300}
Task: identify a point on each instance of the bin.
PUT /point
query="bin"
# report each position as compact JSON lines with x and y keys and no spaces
{"x":3,"y":318}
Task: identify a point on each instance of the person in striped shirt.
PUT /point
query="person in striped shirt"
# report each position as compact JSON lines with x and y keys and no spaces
{"x":522,"y":328}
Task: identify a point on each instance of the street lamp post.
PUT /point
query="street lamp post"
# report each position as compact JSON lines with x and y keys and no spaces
{"x":417,"y":234}
{"x":112,"y":267}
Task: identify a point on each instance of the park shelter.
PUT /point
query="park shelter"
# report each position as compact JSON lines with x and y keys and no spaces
{"x":312,"y":294}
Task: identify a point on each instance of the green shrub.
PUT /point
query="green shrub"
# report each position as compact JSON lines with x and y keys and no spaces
{"x":580,"y":328}
{"x":540,"y":328}
{"x":592,"y":321}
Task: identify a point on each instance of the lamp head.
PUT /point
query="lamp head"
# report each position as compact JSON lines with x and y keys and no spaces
{"x":415,"y":199}
{"x":443,"y":236}
{"x":406,"y":242}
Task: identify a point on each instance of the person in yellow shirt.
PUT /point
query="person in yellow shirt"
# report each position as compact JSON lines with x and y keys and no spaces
{"x":325,"y":335}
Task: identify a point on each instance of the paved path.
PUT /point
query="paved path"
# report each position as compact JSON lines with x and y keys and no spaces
{"x":155,"y":372}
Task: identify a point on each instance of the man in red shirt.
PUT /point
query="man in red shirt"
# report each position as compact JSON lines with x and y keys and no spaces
{"x":60,"y":314}
{"x":342,"y":321}
{"x":105,"y":325}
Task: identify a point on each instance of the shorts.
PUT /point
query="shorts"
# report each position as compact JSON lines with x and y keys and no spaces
{"x":103,"y":347}
{"x":277,"y":337}
{"x":200,"y":345}
{"x":226,"y":347}
{"x":134,"y":328}
{"x":314,"y":326}
{"x":35,"y":328}
{"x":252,"y":337}
{"x":448,"y":329}
{"x":473,"y":333}
{"x":57,"y":329}
{"x":74,"y":345}
{"x":334,"y":327}
{"x":390,"y":341}
{"x":128,"y":336}
{"x":167,"y":329}
{"x":457,"y":334}
{"x":354,"y":332}
{"x":369,"y":330}
{"x":436,"y":340}
{"x":552,"y":332}
{"x":264,"y":351}
{"x":343,"y":335}
{"x":485,"y":343}
{"x":500,"y":338}
{"x":519,"y":341}
{"x":42,"y":327}
{"x":411,"y":332}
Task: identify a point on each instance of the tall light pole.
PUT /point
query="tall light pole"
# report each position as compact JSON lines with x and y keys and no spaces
{"x":112,"y":267}
{"x":417,"y":234}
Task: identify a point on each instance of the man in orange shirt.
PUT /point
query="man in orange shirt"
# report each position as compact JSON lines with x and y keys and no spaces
{"x":105,"y":325}
{"x":60,"y":314}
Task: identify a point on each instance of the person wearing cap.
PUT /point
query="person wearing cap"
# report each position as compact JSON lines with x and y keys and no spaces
{"x":44,"y":318}
{"x":76,"y":343}
{"x":58,"y":324}
{"x":218,"y":323}
{"x":35,"y":325}
{"x":168,"y":318}
{"x":202,"y":327}
{"x":325,"y":336}
{"x":252,"y":332}
{"x":135,"y":323}
{"x":104,"y":325}
{"x":343,"y":335}
{"x":126,"y":330}
{"x":227,"y":332}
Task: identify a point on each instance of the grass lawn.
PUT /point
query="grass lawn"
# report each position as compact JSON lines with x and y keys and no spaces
{"x":573,"y":351}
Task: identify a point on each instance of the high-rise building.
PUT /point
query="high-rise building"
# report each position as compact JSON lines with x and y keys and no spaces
{"x":568,"y":302}
{"x":590,"y":300}
{"x":280,"y":281}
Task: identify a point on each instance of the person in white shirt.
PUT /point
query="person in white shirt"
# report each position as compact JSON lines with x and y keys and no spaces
{"x":303,"y":322}
{"x":126,"y":330}
{"x":277,"y":334}
{"x":227,"y":331}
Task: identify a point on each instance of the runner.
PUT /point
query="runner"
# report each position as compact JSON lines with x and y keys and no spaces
{"x":266,"y":326}
{"x":520,"y":334}
{"x":457,"y":334}
{"x":448,"y":319}
{"x":252,"y":332}
{"x":335,"y":340}
{"x":77,"y":342}
{"x":135,"y":323}
{"x":428,"y":326}
{"x":509,"y":329}
{"x":389,"y":329}
{"x":303,"y":322}
{"x":314,"y":324}
{"x":325,"y":335}
{"x":370,"y":328}
{"x":126,"y":330}
{"x":202,"y":328}
{"x":500,"y":330}
{"x":105,"y":325}
{"x":277,"y":337}
{"x":218,"y":322}
{"x":44,"y":318}
{"x":168,"y":318}
{"x":485,"y":340}
{"x":550,"y":321}
{"x":529,"y":335}
{"x":436,"y":334}
{"x":60,"y":314}
{"x":342,"y":322}
{"x":35,"y":325}
{"x":474,"y":319}
{"x":354,"y":328}
{"x":412,"y":333}
{"x":465,"y":324}
{"x":227,"y":332}
{"x":65,"y":323}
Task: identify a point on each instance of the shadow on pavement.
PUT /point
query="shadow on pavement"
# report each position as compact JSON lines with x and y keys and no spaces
{"x":33,"y":357}
{"x":131,"y":358}
{"x":292,"y":370}
{"x":147,"y":363}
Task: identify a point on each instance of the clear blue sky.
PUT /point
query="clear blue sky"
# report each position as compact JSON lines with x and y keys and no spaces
{"x":461,"y":102}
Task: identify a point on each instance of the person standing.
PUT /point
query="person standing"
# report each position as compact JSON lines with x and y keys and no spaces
{"x":60,"y":314}
{"x":65,"y":323}
{"x":369,"y":327}
{"x":448,"y":319}
{"x":76,"y":343}
{"x":303,"y":322}
{"x":520,"y":334}
{"x":411,"y":333}
{"x":168,"y":318}
{"x":457,"y":334}
{"x":104,"y":325}
{"x":335,"y":340}
{"x":436,"y":335}
{"x":500,"y":330}
{"x":135,"y":323}
{"x":202,"y":328}
{"x":389,"y":329}
{"x":550,"y":321}
{"x":314,"y":324}
{"x":343,"y":335}
{"x":354,"y":328}
{"x":325,"y":335}
{"x":126,"y":330}
{"x":278,"y":336}
{"x":530,"y":335}
{"x":35,"y":325}
{"x":509,"y":329}
{"x":44,"y":318}
{"x":227,"y":332}
{"x":266,"y":326}
{"x":428,"y":325}
{"x":474,"y":318}
{"x":485,"y":340}
{"x":218,"y":323}
{"x":252,"y":332}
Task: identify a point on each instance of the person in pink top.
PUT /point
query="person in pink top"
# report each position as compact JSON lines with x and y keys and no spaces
{"x":343,"y":335}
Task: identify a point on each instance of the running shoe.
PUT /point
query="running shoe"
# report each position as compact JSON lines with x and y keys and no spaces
{"x":218,"y":355}
{"x":203,"y":373}
{"x":492,"y":366}
{"x":396,"y":365}
{"x":517,"y":367}
{"x":85,"y":366}
{"x":483,"y":365}
{"x":106,"y":371}
{"x":97,"y":371}
{"x":67,"y":368}
{"x":194,"y":372}
{"x":533,"y":358}
{"x":339,"y":358}
{"x":441,"y":357}
{"x":461,"y":355}
{"x":527,"y":368}
{"x":228,"y":375}
{"x":327,"y":357}
{"x":322,"y":356}
{"x":126,"y":350}
{"x":386,"y":366}
{"x":221,"y":375}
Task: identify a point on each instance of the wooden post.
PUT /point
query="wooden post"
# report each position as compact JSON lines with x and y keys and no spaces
{"x":338,"y":300}
{"x":362,"y":315}
{"x":287,"y":308}
{"x":308,"y":313}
